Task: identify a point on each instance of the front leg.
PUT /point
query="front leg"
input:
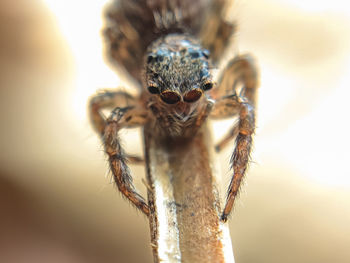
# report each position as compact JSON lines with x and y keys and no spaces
{"x":241,"y":70}
{"x":241,"y":155}
{"x":109,"y":100}
{"x":123,"y":118}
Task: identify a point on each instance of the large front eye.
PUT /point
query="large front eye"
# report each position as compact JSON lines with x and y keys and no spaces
{"x":170,"y":97}
{"x":193,"y":95}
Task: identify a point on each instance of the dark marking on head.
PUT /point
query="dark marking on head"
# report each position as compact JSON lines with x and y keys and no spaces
{"x":150,"y":58}
{"x":194,"y":54}
{"x":160,"y":58}
{"x":183,"y":51}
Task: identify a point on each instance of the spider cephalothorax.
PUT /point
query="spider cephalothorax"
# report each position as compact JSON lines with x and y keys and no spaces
{"x":177,"y":77}
{"x":177,"y":68}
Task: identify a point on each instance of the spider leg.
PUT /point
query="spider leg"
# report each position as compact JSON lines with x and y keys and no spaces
{"x":241,"y":154}
{"x":225,"y":107}
{"x":240,"y":70}
{"x":105,"y":100}
{"x":216,"y":32}
{"x":123,"y":118}
{"x":202,"y":116}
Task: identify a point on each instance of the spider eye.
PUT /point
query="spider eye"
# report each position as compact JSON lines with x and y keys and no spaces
{"x":170,"y":97}
{"x":150,"y":58}
{"x":206,"y":53}
{"x":207,"y":86}
{"x":153,"y":89}
{"x":193,"y":95}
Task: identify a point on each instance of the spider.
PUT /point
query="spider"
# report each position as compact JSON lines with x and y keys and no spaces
{"x":169,"y":48}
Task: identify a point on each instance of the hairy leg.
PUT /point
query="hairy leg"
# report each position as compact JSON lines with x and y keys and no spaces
{"x":123,"y":118}
{"x":226,"y":107}
{"x":109,"y":100}
{"x":241,"y":70}
{"x":241,"y":154}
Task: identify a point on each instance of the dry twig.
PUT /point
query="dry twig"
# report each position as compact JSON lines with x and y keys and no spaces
{"x":184,"y":201}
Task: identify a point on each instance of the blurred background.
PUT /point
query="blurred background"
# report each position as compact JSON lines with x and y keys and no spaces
{"x":57,"y":200}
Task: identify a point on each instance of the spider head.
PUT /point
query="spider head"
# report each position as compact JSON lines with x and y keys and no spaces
{"x":177,"y":70}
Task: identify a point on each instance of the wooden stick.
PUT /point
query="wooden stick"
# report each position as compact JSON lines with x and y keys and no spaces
{"x":184,"y":201}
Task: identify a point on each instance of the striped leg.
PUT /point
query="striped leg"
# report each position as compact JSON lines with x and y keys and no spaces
{"x":123,"y":118}
{"x":241,"y":70}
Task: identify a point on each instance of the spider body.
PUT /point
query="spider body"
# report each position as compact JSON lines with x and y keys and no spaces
{"x":169,"y":47}
{"x":177,"y":75}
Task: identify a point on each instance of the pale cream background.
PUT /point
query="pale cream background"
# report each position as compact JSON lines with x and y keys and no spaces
{"x":57,"y":201}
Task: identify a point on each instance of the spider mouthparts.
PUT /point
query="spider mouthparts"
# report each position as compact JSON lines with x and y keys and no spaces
{"x":183,"y":109}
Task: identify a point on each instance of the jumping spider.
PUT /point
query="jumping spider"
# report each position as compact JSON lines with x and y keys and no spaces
{"x":169,"y":48}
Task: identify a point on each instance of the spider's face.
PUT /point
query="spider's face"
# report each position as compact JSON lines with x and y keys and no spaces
{"x":177,"y":71}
